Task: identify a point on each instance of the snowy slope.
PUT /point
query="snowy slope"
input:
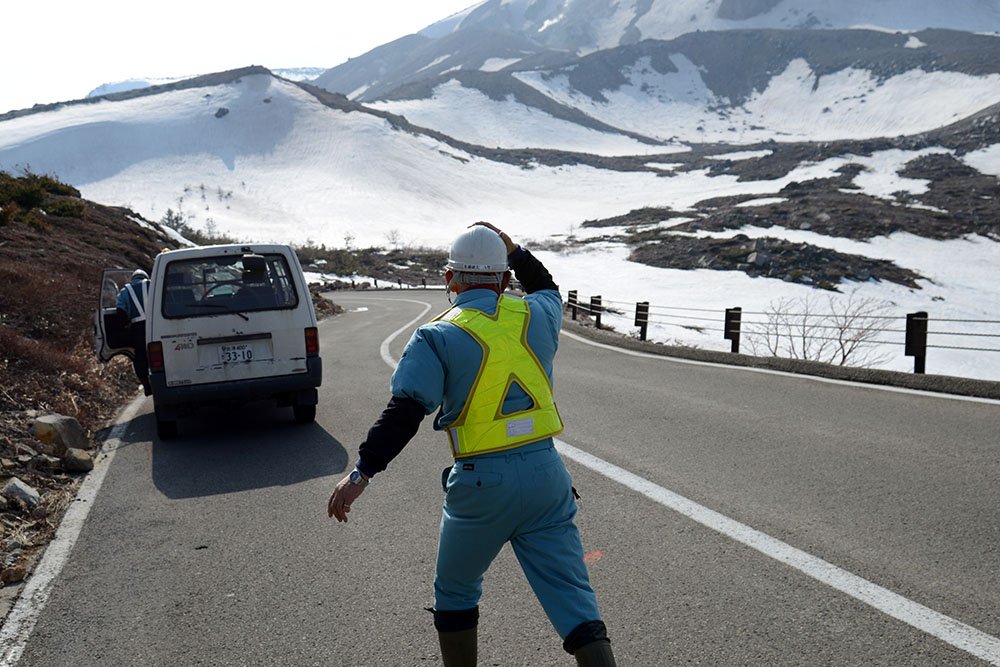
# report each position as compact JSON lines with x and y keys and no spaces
{"x":797,"y":105}
{"x":470,"y":115}
{"x":591,"y":25}
{"x":280,"y":164}
{"x":263,"y":159}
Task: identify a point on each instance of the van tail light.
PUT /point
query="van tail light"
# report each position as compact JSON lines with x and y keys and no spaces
{"x":154,"y":354}
{"x":312,"y":342}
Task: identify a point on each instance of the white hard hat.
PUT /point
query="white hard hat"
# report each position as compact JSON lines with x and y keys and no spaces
{"x":139,"y":273}
{"x":478,"y":250}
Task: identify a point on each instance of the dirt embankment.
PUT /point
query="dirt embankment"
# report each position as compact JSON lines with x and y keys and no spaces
{"x":53,"y":246}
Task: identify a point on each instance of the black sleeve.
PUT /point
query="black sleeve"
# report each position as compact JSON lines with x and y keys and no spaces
{"x":530,"y":272}
{"x":394,"y":428}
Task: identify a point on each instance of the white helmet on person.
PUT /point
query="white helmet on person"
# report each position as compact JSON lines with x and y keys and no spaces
{"x":478,"y":257}
{"x":139,"y":273}
{"x":478,"y":250}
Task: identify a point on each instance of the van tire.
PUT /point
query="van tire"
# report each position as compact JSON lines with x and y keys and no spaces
{"x":166,"y":429}
{"x":304,"y":414}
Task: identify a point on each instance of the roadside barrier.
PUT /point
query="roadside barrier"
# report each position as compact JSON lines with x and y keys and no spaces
{"x":843,"y":332}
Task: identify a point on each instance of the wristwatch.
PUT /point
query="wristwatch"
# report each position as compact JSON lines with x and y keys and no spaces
{"x":357,"y":478}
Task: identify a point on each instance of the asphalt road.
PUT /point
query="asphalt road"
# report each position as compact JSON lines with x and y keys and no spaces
{"x":215,"y":548}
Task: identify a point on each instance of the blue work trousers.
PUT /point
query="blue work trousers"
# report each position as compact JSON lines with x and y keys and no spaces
{"x":522,"y":496}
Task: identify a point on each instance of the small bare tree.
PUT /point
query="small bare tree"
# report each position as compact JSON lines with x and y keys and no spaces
{"x":845,"y":332}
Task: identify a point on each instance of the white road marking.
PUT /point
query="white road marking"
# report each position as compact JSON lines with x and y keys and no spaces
{"x":945,"y":628}
{"x":384,"y":348}
{"x":768,"y":371}
{"x":21,"y":620}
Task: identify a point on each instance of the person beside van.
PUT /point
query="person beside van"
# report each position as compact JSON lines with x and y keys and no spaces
{"x":131,"y":304}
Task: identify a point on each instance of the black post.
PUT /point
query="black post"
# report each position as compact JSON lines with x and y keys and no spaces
{"x":916,"y":340}
{"x":423,"y":283}
{"x":595,"y":309}
{"x":642,"y":318}
{"x":732,"y":329}
{"x":572,"y":302}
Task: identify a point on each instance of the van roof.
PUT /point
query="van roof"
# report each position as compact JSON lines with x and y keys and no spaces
{"x":227,"y":249}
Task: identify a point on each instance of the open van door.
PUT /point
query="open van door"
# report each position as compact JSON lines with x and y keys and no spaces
{"x":111,"y":336}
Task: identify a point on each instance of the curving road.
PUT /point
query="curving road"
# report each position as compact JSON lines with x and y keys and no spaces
{"x":731,"y":517}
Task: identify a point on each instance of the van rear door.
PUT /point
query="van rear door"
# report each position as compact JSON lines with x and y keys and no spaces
{"x":111,"y":335}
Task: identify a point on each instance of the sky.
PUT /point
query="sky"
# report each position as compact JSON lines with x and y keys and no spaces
{"x":63,"y":49}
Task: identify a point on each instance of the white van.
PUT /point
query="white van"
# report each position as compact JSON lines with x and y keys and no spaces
{"x":223,"y":323}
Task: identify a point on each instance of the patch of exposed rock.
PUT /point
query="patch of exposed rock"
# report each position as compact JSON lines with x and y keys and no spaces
{"x":772,"y":258}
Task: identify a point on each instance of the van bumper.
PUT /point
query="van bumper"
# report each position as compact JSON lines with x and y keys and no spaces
{"x":297,"y":389}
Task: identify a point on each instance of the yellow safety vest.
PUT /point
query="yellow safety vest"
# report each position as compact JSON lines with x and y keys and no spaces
{"x":482,"y":426}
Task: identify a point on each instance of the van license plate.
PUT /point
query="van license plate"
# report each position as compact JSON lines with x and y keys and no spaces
{"x":229,"y":354}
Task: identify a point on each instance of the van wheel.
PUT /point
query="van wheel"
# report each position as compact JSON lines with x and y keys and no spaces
{"x":166,"y":429}
{"x":304,"y":413}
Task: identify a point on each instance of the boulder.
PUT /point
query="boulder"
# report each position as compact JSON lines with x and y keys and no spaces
{"x":77,"y":460}
{"x":12,"y":575}
{"x":15,"y":488}
{"x":58,"y":433}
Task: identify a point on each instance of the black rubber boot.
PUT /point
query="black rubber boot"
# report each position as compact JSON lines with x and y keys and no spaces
{"x":595,"y":654}
{"x":459,"y":649}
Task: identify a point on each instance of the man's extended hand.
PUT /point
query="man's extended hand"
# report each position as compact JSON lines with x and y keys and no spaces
{"x":343,"y":496}
{"x":511,"y":246}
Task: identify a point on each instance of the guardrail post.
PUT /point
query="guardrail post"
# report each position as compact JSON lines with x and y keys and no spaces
{"x":916,"y":340}
{"x":642,"y":318}
{"x":732,"y":328}
{"x":595,"y":309}
{"x":572,"y":302}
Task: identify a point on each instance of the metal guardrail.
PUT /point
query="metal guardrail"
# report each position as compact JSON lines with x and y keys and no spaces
{"x":735,"y":322}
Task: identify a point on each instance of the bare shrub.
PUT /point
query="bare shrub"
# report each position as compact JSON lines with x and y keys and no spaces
{"x":844,"y":330}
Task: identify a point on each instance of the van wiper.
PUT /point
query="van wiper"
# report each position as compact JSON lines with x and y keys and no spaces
{"x":218,"y":305}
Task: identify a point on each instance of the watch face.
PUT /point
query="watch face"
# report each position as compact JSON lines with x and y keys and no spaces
{"x":356,"y":477}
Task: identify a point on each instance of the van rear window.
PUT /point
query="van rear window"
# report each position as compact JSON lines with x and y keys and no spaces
{"x":227,"y":283}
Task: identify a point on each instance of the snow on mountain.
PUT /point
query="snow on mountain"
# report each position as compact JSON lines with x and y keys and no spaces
{"x":797,"y":104}
{"x":736,"y":87}
{"x":290,"y":73}
{"x":583,"y":26}
{"x":131,"y":84}
{"x":471,"y":115}
{"x":262,"y":158}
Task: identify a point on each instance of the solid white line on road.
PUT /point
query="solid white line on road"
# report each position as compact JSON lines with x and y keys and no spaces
{"x":384,"y":348}
{"x":945,"y":628}
{"x":21,"y":620}
{"x":768,"y":371}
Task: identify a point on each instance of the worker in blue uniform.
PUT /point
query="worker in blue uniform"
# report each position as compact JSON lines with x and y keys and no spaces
{"x":131,"y":304}
{"x":486,"y":367}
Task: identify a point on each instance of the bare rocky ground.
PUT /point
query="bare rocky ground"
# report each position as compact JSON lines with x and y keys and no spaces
{"x":959,"y":201}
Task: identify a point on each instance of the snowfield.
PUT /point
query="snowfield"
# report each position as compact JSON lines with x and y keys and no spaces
{"x":263,"y":160}
{"x":796,"y":106}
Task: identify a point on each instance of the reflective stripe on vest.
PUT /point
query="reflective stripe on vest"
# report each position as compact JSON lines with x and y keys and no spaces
{"x":482,"y":426}
{"x":139,"y":307}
